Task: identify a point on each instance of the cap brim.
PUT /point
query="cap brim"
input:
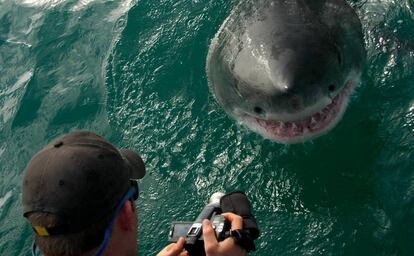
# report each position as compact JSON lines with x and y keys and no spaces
{"x":135,"y":162}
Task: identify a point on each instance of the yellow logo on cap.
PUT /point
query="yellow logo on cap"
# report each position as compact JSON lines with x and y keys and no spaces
{"x":41,"y":231}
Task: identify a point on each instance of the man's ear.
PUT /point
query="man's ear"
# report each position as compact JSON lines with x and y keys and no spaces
{"x":126,"y":217}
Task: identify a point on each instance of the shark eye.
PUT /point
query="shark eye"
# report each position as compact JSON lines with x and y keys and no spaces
{"x":258,"y":110}
{"x":331,"y":88}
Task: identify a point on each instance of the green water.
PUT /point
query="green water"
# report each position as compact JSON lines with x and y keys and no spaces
{"x":134,"y":71}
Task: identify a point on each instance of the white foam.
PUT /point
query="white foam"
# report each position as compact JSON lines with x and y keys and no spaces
{"x":10,"y":102}
{"x":15,"y":41}
{"x":123,"y":7}
{"x":4,"y":199}
{"x":81,"y":4}
{"x":22,"y":80}
{"x":409,"y":117}
{"x":78,"y":6}
{"x":43,"y":3}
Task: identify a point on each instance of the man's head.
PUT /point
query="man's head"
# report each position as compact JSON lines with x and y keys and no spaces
{"x":75,"y":188}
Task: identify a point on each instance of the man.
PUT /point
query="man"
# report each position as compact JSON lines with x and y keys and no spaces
{"x":78,"y":196}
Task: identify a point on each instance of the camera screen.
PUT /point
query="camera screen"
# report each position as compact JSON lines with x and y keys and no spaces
{"x":178,"y":229}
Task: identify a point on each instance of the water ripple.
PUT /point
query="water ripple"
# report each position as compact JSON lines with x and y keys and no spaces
{"x":4,"y":199}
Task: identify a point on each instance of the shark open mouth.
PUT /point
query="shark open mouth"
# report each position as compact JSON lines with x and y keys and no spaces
{"x":313,"y":125}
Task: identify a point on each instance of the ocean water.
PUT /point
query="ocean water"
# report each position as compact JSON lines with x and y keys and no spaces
{"x":134,"y":71}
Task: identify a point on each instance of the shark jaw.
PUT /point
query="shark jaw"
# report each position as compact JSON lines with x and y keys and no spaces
{"x":295,"y":131}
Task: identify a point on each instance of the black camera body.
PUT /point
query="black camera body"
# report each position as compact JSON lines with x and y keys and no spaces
{"x":188,"y":230}
{"x":235,"y":202}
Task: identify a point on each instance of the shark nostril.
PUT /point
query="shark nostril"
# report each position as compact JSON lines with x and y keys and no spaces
{"x":331,"y":88}
{"x":258,"y":110}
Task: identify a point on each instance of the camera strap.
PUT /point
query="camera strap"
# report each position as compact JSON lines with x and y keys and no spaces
{"x":243,"y":239}
{"x":238,"y":203}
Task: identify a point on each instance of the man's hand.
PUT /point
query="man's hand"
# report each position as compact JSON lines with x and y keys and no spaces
{"x":174,"y":249}
{"x":227,"y":247}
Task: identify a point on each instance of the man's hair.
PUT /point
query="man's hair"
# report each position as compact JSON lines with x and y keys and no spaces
{"x":75,"y":244}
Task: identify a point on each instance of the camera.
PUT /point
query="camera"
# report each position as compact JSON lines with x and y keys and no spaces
{"x":192,"y":231}
{"x":235,"y":202}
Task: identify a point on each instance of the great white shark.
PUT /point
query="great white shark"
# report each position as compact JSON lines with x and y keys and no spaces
{"x":286,"y":68}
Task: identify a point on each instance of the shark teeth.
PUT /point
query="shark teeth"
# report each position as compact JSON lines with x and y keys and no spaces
{"x":314,"y":124}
